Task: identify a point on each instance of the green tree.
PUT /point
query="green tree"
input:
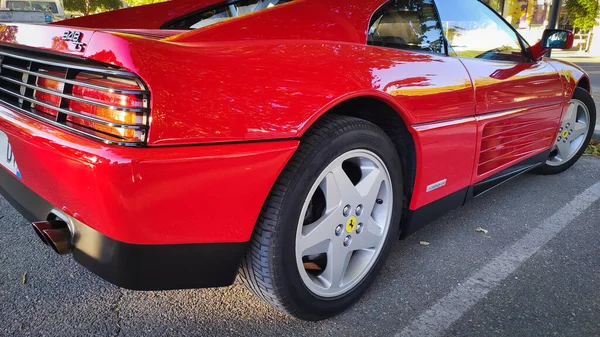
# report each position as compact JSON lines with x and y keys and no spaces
{"x":495,"y":4}
{"x":142,"y":2}
{"x":583,"y":13}
{"x":91,"y":6}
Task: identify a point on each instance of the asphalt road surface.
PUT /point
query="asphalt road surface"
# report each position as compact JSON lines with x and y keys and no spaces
{"x":535,"y":273}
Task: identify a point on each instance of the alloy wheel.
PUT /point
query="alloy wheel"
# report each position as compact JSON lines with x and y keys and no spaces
{"x":572,"y":133}
{"x":344,"y":223}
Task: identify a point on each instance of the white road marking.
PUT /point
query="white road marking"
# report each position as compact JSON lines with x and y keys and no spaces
{"x":449,"y":309}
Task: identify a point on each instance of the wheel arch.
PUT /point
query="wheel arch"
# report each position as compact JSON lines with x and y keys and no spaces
{"x":584,"y":82}
{"x":393,"y":122}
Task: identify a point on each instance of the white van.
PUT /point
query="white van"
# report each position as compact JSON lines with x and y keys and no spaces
{"x":48,"y":6}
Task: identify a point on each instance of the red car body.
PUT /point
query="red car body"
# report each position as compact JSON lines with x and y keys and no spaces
{"x":228,"y":105}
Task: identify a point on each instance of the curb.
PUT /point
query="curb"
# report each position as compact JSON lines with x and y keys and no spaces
{"x":596,"y":135}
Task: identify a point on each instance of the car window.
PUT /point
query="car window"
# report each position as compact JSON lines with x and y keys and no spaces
{"x":44,"y":6}
{"x":473,"y":30}
{"x":40,"y":6}
{"x":408,"y":24}
{"x":222,"y":12}
{"x":19,"y":5}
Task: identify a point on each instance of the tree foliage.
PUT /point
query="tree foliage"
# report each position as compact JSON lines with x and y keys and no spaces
{"x":495,"y":4}
{"x":142,"y":2}
{"x":583,"y":13}
{"x":91,"y":6}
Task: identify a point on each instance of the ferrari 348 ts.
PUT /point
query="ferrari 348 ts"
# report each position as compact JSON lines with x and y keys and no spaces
{"x":286,"y":142}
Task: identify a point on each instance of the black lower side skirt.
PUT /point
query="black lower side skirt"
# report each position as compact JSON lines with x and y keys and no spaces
{"x":417,"y":219}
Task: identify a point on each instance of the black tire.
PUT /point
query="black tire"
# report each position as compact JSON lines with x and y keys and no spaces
{"x":585,"y":97}
{"x":269,"y":268}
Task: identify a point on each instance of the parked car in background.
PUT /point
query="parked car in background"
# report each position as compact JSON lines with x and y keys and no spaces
{"x":53,"y":7}
{"x":166,"y":145}
{"x":16,"y":16}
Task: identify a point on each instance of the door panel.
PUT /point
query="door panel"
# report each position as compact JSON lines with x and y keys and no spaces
{"x":503,"y":86}
{"x":507,"y":138}
{"x":433,"y":90}
{"x":524,"y":102}
{"x":518,"y":103}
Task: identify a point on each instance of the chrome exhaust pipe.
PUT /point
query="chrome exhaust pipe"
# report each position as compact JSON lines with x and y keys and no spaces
{"x":39,"y":227}
{"x":59,"y":239}
{"x":55,"y":234}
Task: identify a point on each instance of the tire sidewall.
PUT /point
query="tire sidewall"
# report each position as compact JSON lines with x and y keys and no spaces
{"x":289,"y":280}
{"x":585,"y":97}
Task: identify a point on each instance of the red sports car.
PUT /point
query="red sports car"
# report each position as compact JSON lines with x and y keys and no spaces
{"x":168,"y":144}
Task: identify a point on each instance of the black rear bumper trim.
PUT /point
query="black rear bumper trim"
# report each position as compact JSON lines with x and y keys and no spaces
{"x":165,"y":267}
{"x":134,"y":266}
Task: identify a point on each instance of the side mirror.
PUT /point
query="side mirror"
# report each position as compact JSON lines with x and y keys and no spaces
{"x":556,"y":38}
{"x":552,"y":39}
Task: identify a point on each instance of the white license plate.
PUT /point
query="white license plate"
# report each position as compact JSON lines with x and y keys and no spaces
{"x":7,"y":157}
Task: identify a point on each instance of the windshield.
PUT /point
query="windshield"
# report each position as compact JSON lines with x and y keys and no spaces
{"x":18,"y":5}
{"x":41,"y":6}
{"x":44,"y":6}
{"x":223,"y":12}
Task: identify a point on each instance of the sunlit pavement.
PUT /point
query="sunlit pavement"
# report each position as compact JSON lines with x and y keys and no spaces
{"x":535,"y":273}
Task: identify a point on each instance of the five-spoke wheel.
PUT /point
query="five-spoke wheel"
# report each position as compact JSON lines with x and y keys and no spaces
{"x":575,"y":132}
{"x":344,"y":223}
{"x":329,"y":221}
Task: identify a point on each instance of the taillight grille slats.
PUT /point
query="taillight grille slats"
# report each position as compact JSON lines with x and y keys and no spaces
{"x":71,"y":113}
{"x":71,"y":97}
{"x":110,"y":105}
{"x":68,"y":81}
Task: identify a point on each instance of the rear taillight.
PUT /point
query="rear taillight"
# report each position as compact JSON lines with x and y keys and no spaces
{"x":46,"y":97}
{"x":85,"y":97}
{"x":95,"y":103}
{"x":121,"y":107}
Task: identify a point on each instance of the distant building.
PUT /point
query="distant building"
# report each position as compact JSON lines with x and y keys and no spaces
{"x":530,"y":18}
